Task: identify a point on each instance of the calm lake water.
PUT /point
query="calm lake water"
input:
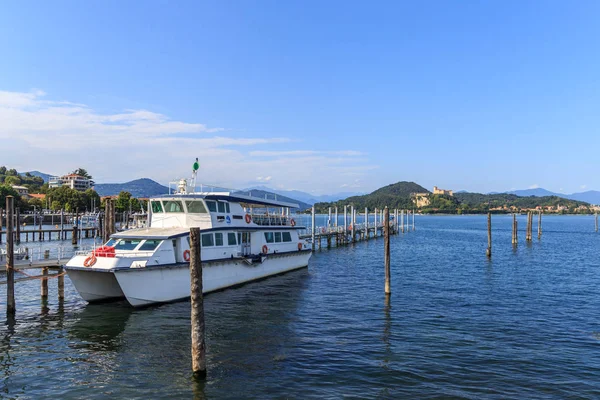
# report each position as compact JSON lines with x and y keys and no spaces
{"x":524,"y":325}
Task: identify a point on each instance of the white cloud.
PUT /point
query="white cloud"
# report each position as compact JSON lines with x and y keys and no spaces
{"x":535,"y":186}
{"x":59,"y":136}
{"x":583,"y":186}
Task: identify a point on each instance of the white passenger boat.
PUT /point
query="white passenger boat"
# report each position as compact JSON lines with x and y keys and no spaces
{"x":243,"y":238}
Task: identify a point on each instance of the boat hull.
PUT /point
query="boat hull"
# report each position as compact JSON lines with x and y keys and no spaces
{"x":95,"y":285}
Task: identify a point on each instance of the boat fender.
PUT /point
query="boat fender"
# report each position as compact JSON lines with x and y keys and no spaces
{"x":186,"y":255}
{"x":299,"y":246}
{"x":293,"y":222}
{"x":265,"y":249}
{"x":248,"y":218}
{"x":90,"y":261}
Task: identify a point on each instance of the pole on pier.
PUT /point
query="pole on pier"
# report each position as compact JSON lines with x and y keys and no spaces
{"x":10,"y":257}
{"x":197,"y":300}
{"x":402,"y":220}
{"x":329,"y":220}
{"x":353,"y":222}
{"x":336,"y":217}
{"x":529,"y":227}
{"x":539,"y":224}
{"x":18,"y":227}
{"x":367,"y":223}
{"x":1,"y":212}
{"x":413,"y":220}
{"x":386,"y":250}
{"x":62,"y":224}
{"x":44,"y":290}
{"x":596,"y":222}
{"x":345,"y":223}
{"x":313,"y":228}
{"x":375,"y":215}
{"x":41,"y":221}
{"x":488,"y":253}
{"x":105,"y":222}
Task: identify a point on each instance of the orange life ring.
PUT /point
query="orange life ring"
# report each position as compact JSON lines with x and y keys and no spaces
{"x":186,"y":255}
{"x":293,"y":222}
{"x":300,"y":246}
{"x":91,"y":260}
{"x":265,"y":249}
{"x":248,"y":218}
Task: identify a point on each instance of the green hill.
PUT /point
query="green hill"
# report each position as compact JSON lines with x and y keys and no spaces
{"x":396,"y":195}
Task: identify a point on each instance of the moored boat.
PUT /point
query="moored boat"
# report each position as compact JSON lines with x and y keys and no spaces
{"x":243,"y":238}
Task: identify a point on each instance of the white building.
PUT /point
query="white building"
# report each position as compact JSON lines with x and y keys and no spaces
{"x":22,"y":190}
{"x":73,"y":181}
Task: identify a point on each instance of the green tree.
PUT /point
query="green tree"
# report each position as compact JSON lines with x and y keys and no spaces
{"x":7,"y":190}
{"x":82,"y":172}
{"x":12,"y":180}
{"x":3,"y":170}
{"x":123,"y":201}
{"x":56,"y":206}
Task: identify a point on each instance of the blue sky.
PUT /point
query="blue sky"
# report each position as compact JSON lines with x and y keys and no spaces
{"x":318,"y":96}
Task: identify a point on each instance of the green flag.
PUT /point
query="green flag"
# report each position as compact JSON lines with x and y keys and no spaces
{"x":196,"y":165}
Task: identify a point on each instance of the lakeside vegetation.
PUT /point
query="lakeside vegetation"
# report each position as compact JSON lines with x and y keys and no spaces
{"x":401,"y":195}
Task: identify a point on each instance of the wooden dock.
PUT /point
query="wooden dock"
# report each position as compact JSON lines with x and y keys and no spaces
{"x":50,"y":234}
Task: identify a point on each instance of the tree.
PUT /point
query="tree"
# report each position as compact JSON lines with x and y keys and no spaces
{"x":82,"y":172}
{"x":7,"y":190}
{"x":56,"y":206}
{"x":12,"y":180}
{"x":123,"y":201}
{"x":3,"y":170}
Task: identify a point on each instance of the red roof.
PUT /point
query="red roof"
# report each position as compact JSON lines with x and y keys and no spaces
{"x":40,"y":196}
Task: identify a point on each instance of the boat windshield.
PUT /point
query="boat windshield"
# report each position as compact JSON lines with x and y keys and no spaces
{"x":111,"y":242}
{"x":127,"y":244}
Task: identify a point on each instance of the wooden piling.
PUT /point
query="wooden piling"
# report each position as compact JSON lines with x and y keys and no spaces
{"x":61,"y":284}
{"x":313,"y":228}
{"x":336,"y":217}
{"x":352,"y":227}
{"x":105,"y":222}
{"x":62,"y":224}
{"x":489,"y":231}
{"x":386,"y":250}
{"x":1,"y":215}
{"x":366,"y":223}
{"x":539,"y":224}
{"x":413,"y":215}
{"x":402,"y":221}
{"x":44,"y":283}
{"x":18,"y":226}
{"x":197,"y":303}
{"x":10,"y":256}
{"x":596,"y":222}
{"x":529,"y":227}
{"x":514,"y":230}
{"x":41,"y":222}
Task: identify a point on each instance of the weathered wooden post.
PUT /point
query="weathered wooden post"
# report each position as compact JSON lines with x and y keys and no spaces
{"x":336,"y":217}
{"x":18,"y":227}
{"x":386,"y":250}
{"x":352,"y":222}
{"x":41,"y":222}
{"x":413,"y":215}
{"x":529,"y":226}
{"x":197,"y":303}
{"x":1,"y":215}
{"x":539,"y":224}
{"x":44,"y":291}
{"x":489,"y":231}
{"x":10,"y":257}
{"x":514,"y":230}
{"x":402,"y":221}
{"x":62,"y":224}
{"x":313,"y":228}
{"x":61,"y":283}
{"x":329,"y":220}
{"x":596,"y":216}
{"x":367,"y":223}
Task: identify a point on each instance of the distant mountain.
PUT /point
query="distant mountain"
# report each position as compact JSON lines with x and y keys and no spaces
{"x":307,"y":197}
{"x":267,"y":194}
{"x":591,"y":196}
{"x":138,"y":188}
{"x":45,"y":177}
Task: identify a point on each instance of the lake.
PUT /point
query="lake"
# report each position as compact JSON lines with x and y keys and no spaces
{"x":524,"y":324}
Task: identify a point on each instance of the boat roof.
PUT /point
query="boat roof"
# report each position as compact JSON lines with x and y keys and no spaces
{"x":152,"y":233}
{"x":232,"y":197}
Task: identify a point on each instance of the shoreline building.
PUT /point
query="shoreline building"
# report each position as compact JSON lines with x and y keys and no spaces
{"x":73,"y":181}
{"x":445,"y":192}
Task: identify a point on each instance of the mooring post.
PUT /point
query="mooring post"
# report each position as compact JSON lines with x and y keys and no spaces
{"x":386,"y":249}
{"x":539,"y":224}
{"x":352,"y":222}
{"x":18,"y":227}
{"x":61,"y":283}
{"x":329,"y":220}
{"x":336,"y":218}
{"x":62,"y":224}
{"x":44,"y":291}
{"x":10,"y":264}
{"x":514,"y":230}
{"x":529,"y":230}
{"x":41,"y":222}
{"x":407,"y":220}
{"x":1,"y":215}
{"x":105,"y":222}
{"x":313,"y":228}
{"x":413,"y":220}
{"x":596,"y":216}
{"x":367,"y":223}
{"x":489,"y":229}
{"x":197,"y":300}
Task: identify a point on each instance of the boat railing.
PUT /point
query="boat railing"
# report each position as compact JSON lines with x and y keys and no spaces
{"x":271,"y":220}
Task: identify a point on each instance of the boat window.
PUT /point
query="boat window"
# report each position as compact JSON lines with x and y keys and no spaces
{"x":231,"y":239}
{"x":212,"y":206}
{"x":208,"y":240}
{"x":240,"y":238}
{"x":277,"y":237}
{"x":111,"y":242}
{"x":127,"y":244}
{"x":219,"y":239}
{"x":227,"y":208}
{"x":269,"y":237}
{"x":287,"y":237}
{"x":149,"y":245}
{"x":195,"y":207}
{"x":221,"y":206}
{"x":156,"y":206}
{"x":173,"y":206}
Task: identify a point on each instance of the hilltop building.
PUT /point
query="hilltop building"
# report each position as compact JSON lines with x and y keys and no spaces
{"x":421,"y":199}
{"x":437,"y":190}
{"x":73,"y":181}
